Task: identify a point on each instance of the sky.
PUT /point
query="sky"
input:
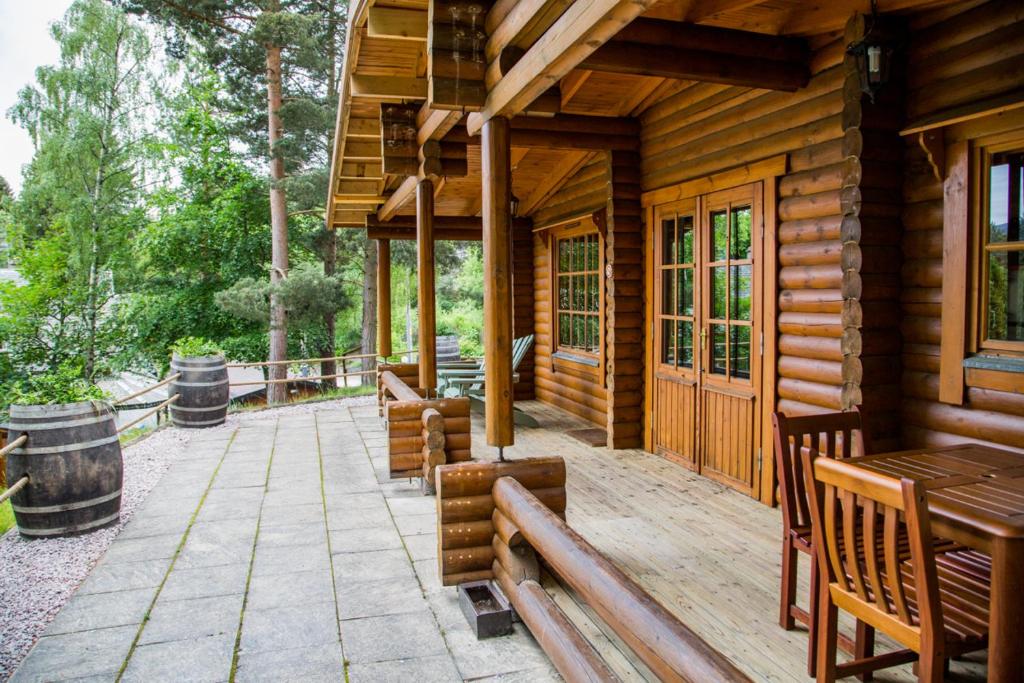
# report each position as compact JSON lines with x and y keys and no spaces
{"x":25,"y":43}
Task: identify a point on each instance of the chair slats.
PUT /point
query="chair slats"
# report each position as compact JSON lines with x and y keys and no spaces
{"x":853,"y":544}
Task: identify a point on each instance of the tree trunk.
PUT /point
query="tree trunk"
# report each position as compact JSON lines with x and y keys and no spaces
{"x":329,"y":367}
{"x":369,"y":343}
{"x":277,"y":393}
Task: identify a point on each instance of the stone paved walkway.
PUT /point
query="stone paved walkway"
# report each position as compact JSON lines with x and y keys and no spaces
{"x":278,"y":551}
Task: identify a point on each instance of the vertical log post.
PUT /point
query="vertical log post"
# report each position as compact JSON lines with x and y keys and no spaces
{"x":384,"y":298}
{"x":496,"y":167}
{"x":425,"y":268}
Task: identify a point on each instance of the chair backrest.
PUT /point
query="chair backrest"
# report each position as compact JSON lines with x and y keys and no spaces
{"x":858,"y":537}
{"x":834,"y":435}
{"x":520,"y":347}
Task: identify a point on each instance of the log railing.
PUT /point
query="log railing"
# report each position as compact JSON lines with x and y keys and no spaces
{"x":499,"y":520}
{"x":422,"y":433}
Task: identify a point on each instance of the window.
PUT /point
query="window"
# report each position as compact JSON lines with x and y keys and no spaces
{"x":578,"y":292}
{"x":1002,"y":252}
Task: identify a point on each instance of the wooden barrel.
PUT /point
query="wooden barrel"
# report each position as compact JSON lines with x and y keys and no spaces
{"x":73,"y":461}
{"x":447,"y":348}
{"x":203,"y":391}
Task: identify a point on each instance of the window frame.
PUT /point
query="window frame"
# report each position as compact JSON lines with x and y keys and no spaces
{"x":984,"y":151}
{"x":577,"y":359}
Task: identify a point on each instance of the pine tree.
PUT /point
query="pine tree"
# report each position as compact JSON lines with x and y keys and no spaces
{"x":270,"y":54}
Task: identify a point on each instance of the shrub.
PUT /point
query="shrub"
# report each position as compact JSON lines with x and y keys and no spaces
{"x":190,"y":347}
{"x":63,"y":385}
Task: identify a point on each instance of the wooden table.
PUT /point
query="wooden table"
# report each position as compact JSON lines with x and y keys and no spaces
{"x":976,"y":497}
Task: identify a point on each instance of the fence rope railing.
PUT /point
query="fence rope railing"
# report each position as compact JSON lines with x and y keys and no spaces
{"x":146,"y":414}
{"x":307,"y":378}
{"x":18,"y":485}
{"x":148,"y":389}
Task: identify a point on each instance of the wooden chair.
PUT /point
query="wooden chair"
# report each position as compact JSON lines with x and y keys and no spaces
{"x":935,"y":604}
{"x":835,"y":435}
{"x":470,"y":382}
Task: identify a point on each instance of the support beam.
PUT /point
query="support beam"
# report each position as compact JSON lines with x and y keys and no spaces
{"x":384,"y":298}
{"x":641,"y":59}
{"x":454,"y":223}
{"x":496,"y":180}
{"x":572,"y":38}
{"x":425,"y":295}
{"x":398,"y":198}
{"x":440,"y":234}
{"x":389,"y":88}
{"x":396,"y":24}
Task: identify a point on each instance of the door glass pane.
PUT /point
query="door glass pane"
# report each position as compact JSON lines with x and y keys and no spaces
{"x":685,"y":243}
{"x":719,"y":292}
{"x":684,"y":281}
{"x":564,"y":329}
{"x":718,"y":349}
{"x":593,"y":333}
{"x":1005,"y":296}
{"x":685,"y":344}
{"x":739,"y":292}
{"x":719,"y":235}
{"x":739,"y":351}
{"x":668,"y":305}
{"x":740,"y":233}
{"x":668,"y":355}
{"x":668,"y":240}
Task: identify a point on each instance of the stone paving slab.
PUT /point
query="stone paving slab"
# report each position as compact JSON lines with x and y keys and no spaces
{"x":277,"y":550}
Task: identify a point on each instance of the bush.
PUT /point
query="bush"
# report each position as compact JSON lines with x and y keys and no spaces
{"x":63,"y":385}
{"x":191,"y":347}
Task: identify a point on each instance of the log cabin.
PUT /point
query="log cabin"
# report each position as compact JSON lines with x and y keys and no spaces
{"x":708,"y":210}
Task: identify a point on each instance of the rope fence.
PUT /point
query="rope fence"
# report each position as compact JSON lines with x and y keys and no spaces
{"x":148,"y":389}
{"x":18,"y":485}
{"x":142,"y":417}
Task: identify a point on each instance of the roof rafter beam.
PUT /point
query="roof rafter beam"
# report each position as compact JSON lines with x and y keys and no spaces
{"x":396,"y":24}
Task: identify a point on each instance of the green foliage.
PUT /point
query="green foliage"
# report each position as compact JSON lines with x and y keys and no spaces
{"x":307,"y":294}
{"x":193,"y":347}
{"x":63,"y":385}
{"x":6,"y":516}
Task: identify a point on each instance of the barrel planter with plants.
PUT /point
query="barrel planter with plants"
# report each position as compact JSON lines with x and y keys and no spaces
{"x":72,"y":458}
{"x":202,"y":389}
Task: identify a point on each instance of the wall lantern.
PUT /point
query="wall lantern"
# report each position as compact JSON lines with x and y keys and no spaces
{"x":874,"y":54}
{"x":514,"y":206}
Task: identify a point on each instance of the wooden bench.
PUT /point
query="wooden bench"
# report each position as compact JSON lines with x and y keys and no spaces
{"x":422,"y":433}
{"x":498,"y":520}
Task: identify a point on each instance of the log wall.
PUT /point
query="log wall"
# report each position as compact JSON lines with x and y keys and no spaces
{"x":522,"y":306}
{"x":581,"y":393}
{"x":956,"y":56}
{"x":701,"y":129}
{"x":624,"y":302}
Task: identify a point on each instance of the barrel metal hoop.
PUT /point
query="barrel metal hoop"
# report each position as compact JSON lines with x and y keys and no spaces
{"x":42,"y":450}
{"x":19,"y":427}
{"x":200,"y":410}
{"x":199,"y":368}
{"x":40,"y":411}
{"x":200,"y":384}
{"x":201,"y":423}
{"x":68,"y":506}
{"x":70,"y":529}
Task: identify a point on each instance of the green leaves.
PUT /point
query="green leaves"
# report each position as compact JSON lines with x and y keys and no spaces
{"x":307,"y":294}
{"x":62,"y":385}
{"x":193,"y":347}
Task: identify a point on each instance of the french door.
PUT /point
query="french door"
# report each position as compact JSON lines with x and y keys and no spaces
{"x":708,"y":333}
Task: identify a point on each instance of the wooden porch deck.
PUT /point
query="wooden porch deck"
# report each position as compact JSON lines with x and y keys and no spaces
{"x":709,"y":554}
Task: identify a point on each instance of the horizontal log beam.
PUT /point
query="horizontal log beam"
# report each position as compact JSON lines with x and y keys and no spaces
{"x":641,"y":59}
{"x":407,"y":234}
{"x":450,"y":222}
{"x":713,"y":39}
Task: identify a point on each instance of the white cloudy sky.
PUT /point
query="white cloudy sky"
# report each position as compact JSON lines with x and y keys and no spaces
{"x":25,"y":43}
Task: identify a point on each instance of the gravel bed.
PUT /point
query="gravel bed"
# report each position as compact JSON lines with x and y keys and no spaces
{"x":37,"y":577}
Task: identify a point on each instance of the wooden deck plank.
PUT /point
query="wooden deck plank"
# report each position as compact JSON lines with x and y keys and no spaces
{"x":710,"y":554}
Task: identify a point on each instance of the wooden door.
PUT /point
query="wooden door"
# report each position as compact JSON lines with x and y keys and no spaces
{"x":730,"y":335}
{"x":675,"y":330}
{"x":708,"y":334}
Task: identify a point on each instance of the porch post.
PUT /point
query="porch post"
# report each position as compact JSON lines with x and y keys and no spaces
{"x":384,"y":298}
{"x":496,"y":168}
{"x":425,"y":271}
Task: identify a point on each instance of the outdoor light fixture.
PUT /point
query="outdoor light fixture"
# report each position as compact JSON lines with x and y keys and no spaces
{"x":874,"y":54}
{"x":514,"y":206}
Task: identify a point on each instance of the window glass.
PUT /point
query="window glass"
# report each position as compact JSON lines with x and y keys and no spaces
{"x":685,"y":245}
{"x":1004,"y":252}
{"x":668,"y":355}
{"x":718,"y":349}
{"x":739,"y":351}
{"x":719,"y":235}
{"x":685,"y":344}
{"x":739,"y":292}
{"x":719,"y":292}
{"x":684,"y":288}
{"x":739,"y":236}
{"x":579,"y":293}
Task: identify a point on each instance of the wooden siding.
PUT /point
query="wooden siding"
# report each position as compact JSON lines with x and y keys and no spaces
{"x":522,"y":307}
{"x":579,"y":393}
{"x":624,"y":302}
{"x":954,"y":58}
{"x":705,"y":128}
